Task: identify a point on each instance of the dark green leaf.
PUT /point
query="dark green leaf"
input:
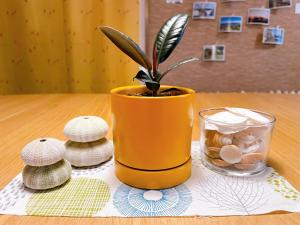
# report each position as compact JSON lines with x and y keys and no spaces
{"x":152,"y":85}
{"x":170,"y":89}
{"x":128,"y":46}
{"x":174,"y":66}
{"x":168,"y":37}
{"x":157,"y":75}
{"x":142,"y":76}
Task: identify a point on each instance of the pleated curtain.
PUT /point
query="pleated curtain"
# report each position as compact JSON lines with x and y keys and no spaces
{"x":54,"y":46}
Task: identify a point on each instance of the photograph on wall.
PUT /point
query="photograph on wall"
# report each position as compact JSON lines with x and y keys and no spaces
{"x":226,"y":1}
{"x":273,"y":35}
{"x":174,"y":1}
{"x":214,"y":53}
{"x":297,"y":8}
{"x":259,"y":16}
{"x":204,"y":10}
{"x":230,"y":24}
{"x":275,"y":4}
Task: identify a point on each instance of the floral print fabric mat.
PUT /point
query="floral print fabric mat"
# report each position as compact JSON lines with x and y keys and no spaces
{"x":96,"y":192}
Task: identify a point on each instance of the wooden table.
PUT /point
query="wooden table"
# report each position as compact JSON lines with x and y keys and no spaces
{"x":26,"y":117}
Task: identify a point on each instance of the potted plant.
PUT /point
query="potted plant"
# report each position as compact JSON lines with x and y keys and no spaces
{"x":152,"y":124}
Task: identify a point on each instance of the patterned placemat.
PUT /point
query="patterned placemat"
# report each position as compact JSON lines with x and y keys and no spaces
{"x":96,"y":192}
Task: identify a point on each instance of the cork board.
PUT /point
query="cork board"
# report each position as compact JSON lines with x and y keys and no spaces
{"x":249,"y":66}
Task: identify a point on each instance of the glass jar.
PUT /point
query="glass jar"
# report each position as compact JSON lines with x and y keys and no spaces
{"x":235,"y":141}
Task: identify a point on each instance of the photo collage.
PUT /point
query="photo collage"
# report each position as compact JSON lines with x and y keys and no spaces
{"x":205,"y":10}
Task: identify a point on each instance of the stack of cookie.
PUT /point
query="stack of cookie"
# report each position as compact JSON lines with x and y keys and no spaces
{"x":45,"y":167}
{"x":87,"y":145}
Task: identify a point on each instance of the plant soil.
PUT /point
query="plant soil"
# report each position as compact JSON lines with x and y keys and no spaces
{"x":167,"y":92}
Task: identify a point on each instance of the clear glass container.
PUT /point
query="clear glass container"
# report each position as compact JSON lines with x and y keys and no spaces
{"x":235,"y":141}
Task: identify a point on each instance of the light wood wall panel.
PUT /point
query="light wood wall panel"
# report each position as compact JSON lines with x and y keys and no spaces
{"x":249,"y":66}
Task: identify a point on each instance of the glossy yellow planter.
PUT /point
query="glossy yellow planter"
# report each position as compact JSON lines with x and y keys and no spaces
{"x":152,"y":137}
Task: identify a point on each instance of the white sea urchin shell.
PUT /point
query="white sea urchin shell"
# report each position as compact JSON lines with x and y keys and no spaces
{"x":43,"y":152}
{"x":46,"y":177}
{"x":86,"y":129}
{"x":88,"y":154}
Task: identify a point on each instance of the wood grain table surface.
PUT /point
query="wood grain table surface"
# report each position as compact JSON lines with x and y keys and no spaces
{"x":26,"y":117}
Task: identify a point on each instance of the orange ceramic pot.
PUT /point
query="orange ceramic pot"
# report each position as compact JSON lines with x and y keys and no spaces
{"x":152,"y":137}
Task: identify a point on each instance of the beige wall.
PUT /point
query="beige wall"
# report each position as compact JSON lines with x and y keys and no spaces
{"x":249,"y":65}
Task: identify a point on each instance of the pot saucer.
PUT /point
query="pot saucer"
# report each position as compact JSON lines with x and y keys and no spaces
{"x":153,"y":179}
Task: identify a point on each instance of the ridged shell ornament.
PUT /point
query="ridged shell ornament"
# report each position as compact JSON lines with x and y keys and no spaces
{"x":213,"y":152}
{"x":219,"y":140}
{"x":220,"y":163}
{"x":43,"y":152}
{"x":86,"y":129}
{"x":46,"y":177}
{"x":88,"y":154}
